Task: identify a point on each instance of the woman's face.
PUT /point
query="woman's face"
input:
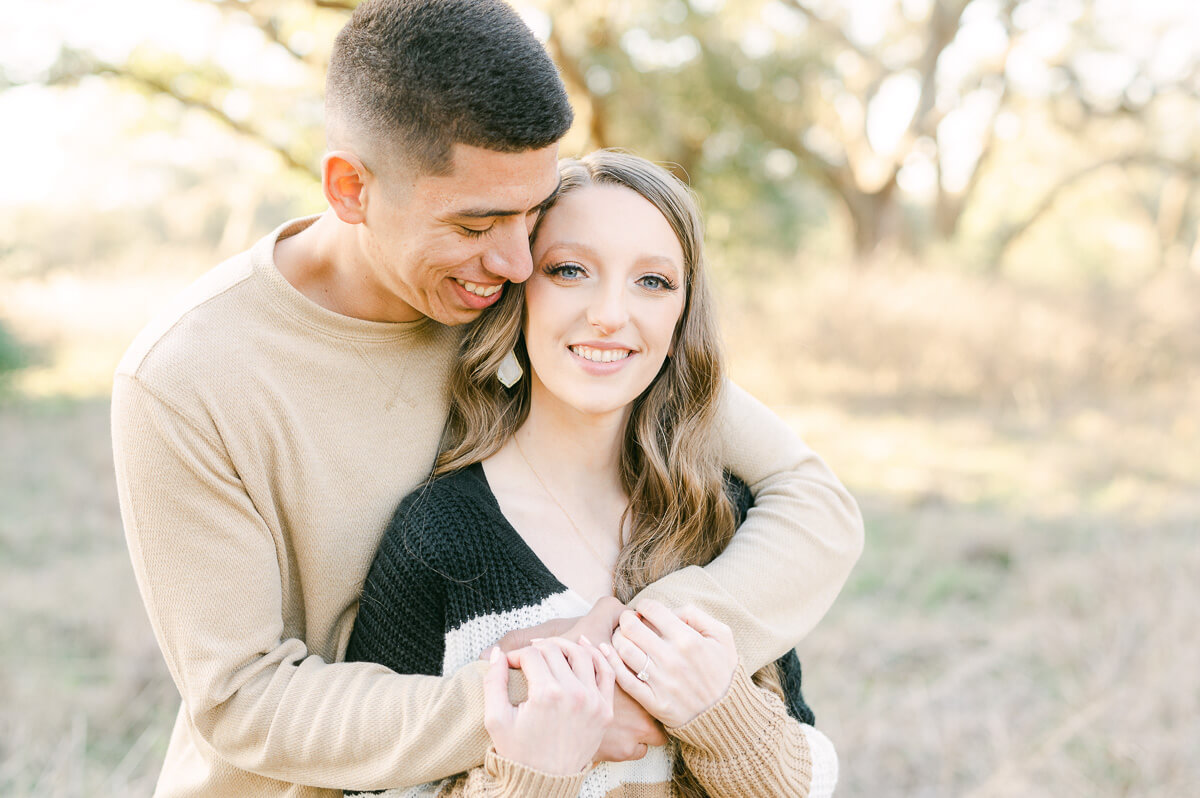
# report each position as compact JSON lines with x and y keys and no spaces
{"x":607,"y":290}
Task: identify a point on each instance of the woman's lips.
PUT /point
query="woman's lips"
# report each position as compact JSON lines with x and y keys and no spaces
{"x":600,"y":361}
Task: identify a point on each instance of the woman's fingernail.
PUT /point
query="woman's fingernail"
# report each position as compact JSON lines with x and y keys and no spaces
{"x":495,"y":657}
{"x":583,"y":639}
{"x":536,"y":639}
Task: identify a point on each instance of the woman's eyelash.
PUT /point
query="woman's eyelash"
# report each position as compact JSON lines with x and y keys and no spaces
{"x":558,"y":269}
{"x":471,"y":232}
{"x":667,"y":284}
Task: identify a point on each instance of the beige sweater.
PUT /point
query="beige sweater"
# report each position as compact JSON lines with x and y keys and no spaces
{"x":262,"y":442}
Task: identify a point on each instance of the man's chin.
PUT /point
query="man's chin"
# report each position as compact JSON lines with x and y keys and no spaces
{"x":453,"y":315}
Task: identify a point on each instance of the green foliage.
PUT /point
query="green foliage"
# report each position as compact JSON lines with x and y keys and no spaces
{"x":13,"y":354}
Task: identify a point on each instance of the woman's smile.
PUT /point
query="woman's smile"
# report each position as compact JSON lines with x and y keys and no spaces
{"x":606,"y":292}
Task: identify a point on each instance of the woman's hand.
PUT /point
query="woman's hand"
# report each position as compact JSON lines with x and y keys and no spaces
{"x":558,"y":728}
{"x":676,"y":664}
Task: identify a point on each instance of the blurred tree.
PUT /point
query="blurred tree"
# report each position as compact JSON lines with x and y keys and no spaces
{"x":892,"y":113}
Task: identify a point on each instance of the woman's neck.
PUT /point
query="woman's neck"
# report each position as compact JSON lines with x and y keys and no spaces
{"x":558,"y":483}
{"x":576,"y":449}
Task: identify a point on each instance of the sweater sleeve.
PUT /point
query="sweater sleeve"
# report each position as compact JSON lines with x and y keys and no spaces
{"x":788,"y":561}
{"x":401,"y":621}
{"x":746,"y":744}
{"x":208,"y":570}
{"x":503,"y":778}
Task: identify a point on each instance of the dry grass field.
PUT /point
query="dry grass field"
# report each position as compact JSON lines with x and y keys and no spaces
{"x":1023,"y":621}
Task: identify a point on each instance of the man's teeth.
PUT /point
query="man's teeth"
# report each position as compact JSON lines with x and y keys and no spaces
{"x":601,"y":355}
{"x":479,"y":290}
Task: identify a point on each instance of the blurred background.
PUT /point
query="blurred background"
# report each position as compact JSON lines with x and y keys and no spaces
{"x":957,"y":244}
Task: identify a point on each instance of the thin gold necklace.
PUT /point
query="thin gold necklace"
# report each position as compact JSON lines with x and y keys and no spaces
{"x":578,"y":532}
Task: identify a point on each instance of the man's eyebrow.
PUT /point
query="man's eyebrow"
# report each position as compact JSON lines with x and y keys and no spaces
{"x":486,"y":213}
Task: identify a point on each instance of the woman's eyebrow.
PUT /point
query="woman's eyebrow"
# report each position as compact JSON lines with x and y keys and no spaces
{"x":571,"y":246}
{"x":658,"y":260}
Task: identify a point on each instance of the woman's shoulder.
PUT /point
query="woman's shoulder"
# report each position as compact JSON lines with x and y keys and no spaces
{"x":450,"y":508}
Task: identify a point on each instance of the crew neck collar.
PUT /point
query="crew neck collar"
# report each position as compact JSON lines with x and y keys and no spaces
{"x":309,"y":313}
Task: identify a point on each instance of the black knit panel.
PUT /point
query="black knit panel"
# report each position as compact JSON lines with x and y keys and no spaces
{"x":447,"y":557}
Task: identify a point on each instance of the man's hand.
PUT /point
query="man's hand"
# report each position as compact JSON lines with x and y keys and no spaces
{"x":521,"y":638}
{"x":631,"y":731}
{"x":597,"y":626}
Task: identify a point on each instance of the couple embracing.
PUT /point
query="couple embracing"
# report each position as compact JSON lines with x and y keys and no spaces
{"x":605,"y":551}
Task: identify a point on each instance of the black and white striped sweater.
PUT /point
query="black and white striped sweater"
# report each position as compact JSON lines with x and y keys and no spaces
{"x":452,"y":576}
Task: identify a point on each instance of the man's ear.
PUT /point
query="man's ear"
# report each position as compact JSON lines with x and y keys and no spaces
{"x":344,"y":178}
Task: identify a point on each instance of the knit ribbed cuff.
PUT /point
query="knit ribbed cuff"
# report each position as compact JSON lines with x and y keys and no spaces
{"x":732,"y":726}
{"x":516,"y":780}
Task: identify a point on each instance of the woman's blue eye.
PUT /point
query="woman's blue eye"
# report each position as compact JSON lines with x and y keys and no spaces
{"x":656,"y":282}
{"x":567,"y":271}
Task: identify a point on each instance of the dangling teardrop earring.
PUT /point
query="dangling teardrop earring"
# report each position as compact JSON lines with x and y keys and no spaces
{"x":510,"y":371}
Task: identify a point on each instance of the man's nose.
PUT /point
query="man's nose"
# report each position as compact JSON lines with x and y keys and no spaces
{"x":509,"y":256}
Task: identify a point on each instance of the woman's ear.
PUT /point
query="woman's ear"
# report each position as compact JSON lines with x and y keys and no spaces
{"x":343,"y":179}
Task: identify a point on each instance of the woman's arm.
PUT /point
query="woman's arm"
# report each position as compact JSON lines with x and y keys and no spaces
{"x":543,"y":747}
{"x":790,"y":558}
{"x":747,"y":744}
{"x":736,"y":738}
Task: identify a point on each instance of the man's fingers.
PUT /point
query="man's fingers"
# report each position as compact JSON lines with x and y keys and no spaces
{"x":704,"y":623}
{"x":520,"y":638}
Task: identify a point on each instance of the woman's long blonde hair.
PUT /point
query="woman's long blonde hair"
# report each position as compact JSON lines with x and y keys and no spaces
{"x":678,"y":513}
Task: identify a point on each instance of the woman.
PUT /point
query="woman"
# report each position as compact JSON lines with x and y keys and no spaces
{"x":578,"y":464}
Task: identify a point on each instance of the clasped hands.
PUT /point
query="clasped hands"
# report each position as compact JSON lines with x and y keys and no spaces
{"x":602,"y":687}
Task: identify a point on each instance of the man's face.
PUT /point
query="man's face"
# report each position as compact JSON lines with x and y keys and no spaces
{"x":443,"y":246}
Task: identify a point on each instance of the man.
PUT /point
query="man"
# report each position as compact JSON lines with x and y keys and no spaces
{"x":265,"y":426}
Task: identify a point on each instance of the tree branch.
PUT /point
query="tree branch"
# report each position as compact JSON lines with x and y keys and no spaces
{"x":834,"y":31}
{"x":161,"y":87}
{"x":1011,"y":233}
{"x":268,"y":24}
{"x":942,"y":29}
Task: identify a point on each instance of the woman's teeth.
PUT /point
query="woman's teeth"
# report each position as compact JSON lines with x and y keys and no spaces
{"x":601,"y":355}
{"x":479,"y":290}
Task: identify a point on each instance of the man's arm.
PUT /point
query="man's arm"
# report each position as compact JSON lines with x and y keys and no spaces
{"x":208,"y":569}
{"x":788,"y":561}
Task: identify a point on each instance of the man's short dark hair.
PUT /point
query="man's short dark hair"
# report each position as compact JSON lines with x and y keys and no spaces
{"x":414,"y":77}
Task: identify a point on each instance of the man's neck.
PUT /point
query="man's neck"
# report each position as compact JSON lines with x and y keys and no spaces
{"x":321,"y":263}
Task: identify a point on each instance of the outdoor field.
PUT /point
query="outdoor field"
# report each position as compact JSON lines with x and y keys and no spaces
{"x":1021,"y":623}
{"x":955,"y":245}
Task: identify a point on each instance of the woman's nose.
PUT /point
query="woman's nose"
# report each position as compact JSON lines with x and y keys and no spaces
{"x":608,"y":312}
